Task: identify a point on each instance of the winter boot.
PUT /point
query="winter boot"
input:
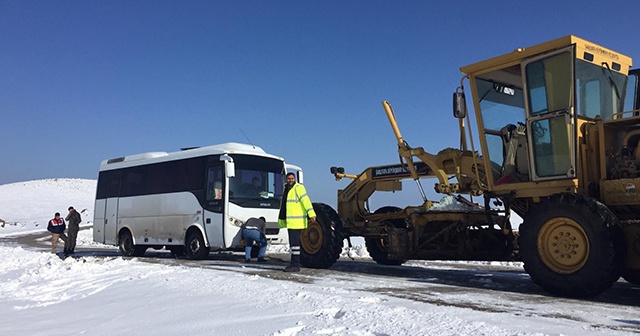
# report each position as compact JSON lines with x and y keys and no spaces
{"x":294,"y":265}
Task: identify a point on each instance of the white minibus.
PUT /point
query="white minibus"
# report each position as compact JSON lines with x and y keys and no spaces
{"x":190,"y":202}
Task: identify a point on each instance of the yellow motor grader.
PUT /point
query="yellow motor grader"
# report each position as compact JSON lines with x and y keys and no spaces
{"x":557,"y":142}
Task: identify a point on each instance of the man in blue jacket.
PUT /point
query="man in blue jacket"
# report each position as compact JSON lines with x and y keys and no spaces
{"x":56,"y":227}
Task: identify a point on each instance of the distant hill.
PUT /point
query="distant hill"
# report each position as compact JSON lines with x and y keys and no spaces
{"x":28,"y":206}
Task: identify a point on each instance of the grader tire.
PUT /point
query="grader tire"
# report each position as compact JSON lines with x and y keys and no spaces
{"x":321,"y":241}
{"x":572,"y":246}
{"x":377,"y":247}
{"x":378,"y":252}
{"x":632,"y":277}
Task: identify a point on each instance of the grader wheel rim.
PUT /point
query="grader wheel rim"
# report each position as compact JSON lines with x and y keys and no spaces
{"x":382,"y":241}
{"x":563,"y":245}
{"x":312,"y":238}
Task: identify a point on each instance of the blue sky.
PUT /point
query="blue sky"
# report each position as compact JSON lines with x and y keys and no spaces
{"x":83,"y":81}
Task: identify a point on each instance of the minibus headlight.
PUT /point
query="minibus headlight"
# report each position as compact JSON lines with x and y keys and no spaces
{"x":235,"y":221}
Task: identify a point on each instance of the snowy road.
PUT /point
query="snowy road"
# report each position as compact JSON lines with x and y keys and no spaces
{"x":502,"y":290}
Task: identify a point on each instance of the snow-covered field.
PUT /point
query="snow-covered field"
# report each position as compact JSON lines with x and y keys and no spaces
{"x":28,"y":206}
{"x":42,"y":294}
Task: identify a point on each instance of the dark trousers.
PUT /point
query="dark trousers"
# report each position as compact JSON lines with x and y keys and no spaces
{"x":72,"y":235}
{"x":294,"y":245}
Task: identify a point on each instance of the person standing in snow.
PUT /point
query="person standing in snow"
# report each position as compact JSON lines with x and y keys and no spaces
{"x":254,"y":230}
{"x":74,"y":226}
{"x":56,"y":227}
{"x":295,"y":208}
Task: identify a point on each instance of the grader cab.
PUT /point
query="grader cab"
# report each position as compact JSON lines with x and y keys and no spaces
{"x":558,"y":143}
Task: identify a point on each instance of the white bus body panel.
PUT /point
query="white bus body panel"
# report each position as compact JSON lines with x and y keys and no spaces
{"x":163,"y":219}
{"x":98,"y":220}
{"x":111,"y":221}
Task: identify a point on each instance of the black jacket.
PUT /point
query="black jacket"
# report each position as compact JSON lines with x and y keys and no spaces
{"x":56,"y":225}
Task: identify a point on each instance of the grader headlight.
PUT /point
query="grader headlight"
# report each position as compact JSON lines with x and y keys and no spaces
{"x":337,"y":170}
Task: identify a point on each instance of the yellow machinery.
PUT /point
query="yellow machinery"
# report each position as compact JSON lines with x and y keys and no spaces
{"x":557,"y":142}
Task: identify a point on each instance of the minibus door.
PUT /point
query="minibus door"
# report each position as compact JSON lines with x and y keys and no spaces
{"x":111,"y":221}
{"x":216,"y":195}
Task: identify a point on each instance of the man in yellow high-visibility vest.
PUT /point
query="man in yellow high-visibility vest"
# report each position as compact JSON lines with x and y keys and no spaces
{"x":295,"y":208}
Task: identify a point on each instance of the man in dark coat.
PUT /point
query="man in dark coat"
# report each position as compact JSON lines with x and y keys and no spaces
{"x":74,"y":226}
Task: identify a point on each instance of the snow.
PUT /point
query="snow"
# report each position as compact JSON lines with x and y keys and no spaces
{"x":102,"y":293}
{"x":449,"y":203}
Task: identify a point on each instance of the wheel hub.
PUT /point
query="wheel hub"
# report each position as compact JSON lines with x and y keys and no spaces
{"x":311,"y":239}
{"x":194,"y":246}
{"x":563,"y":245}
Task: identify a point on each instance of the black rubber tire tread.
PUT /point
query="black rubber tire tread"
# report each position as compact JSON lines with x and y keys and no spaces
{"x":202,"y":252}
{"x":126,"y":246}
{"x":632,"y":277}
{"x":377,"y":252}
{"x":606,"y":246}
{"x":332,"y":239}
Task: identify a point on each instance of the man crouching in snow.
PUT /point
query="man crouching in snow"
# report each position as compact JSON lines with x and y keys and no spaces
{"x":56,"y":227}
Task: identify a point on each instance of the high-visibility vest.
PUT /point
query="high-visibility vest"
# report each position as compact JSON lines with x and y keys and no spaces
{"x":299,"y":208}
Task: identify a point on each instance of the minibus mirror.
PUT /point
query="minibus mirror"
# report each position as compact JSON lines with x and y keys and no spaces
{"x":229,"y":165}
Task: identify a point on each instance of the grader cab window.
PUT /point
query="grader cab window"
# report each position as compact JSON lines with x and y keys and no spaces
{"x":549,"y":84}
{"x":599,"y":91}
{"x":502,"y":106}
{"x":631,"y":99}
{"x":550,"y":100}
{"x":552,"y":158}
